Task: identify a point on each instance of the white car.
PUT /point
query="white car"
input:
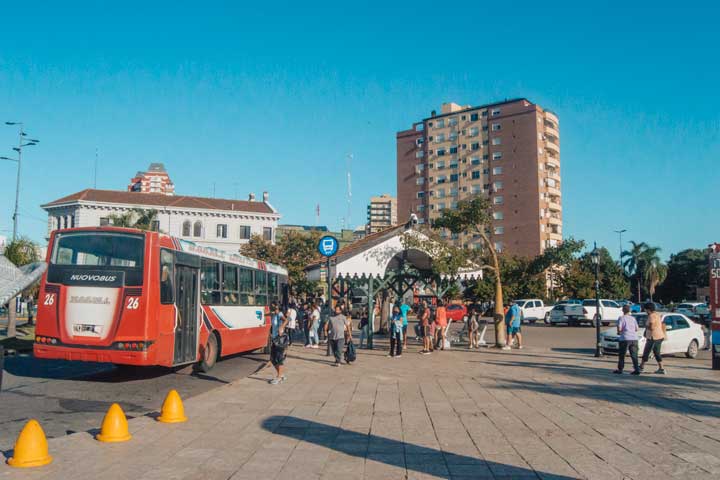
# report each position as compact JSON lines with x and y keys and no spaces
{"x":683,"y":336}
{"x":693,"y":309}
{"x":532,"y":309}
{"x":558,"y":313}
{"x":610,"y":310}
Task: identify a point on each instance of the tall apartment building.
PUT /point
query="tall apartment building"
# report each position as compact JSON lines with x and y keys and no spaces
{"x":507,"y":151}
{"x":155,"y":180}
{"x":381,"y":213}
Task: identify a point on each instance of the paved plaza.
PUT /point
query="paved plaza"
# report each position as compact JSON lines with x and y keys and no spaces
{"x":541,"y":412}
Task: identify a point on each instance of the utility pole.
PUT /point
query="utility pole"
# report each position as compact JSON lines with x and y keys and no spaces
{"x":620,"y":232}
{"x":95,"y":169}
{"x":18,"y":160}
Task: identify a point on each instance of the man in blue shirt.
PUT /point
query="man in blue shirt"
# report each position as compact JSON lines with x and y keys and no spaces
{"x":627,"y":329}
{"x":512,"y":321}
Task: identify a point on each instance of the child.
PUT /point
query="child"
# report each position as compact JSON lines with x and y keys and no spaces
{"x":277,"y":354}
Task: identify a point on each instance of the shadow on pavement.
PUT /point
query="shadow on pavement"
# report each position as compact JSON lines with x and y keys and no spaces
{"x":416,"y":458}
{"x":648,"y":390}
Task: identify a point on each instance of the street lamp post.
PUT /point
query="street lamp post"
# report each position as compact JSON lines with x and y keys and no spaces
{"x":620,"y":232}
{"x":595,"y":257}
{"x":22,"y":136}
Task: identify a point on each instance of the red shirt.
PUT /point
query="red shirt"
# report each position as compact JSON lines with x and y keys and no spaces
{"x":441,"y":316}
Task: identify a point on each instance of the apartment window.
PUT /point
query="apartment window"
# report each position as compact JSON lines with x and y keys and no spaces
{"x":104,"y":221}
{"x":496,"y":127}
{"x":497,"y":186}
{"x":197,"y":229}
{"x":441,"y":179}
{"x":485,"y":157}
{"x":453,"y":206}
{"x":474,"y":131}
{"x":498,"y":247}
{"x":454,"y":177}
{"x":440,"y":193}
{"x":440,"y":164}
{"x":486,"y":171}
{"x":453,"y":149}
{"x":420,"y":194}
{"x":420,"y":181}
{"x":475,"y":161}
{"x":476,"y":189}
{"x":267,"y":234}
{"x":498,"y":215}
{"x":498,"y":200}
{"x":452,"y":121}
{"x":420,"y":154}
{"x":244,"y":232}
{"x":421,"y":208}
{"x":430,"y":138}
{"x":440,"y":138}
{"x":485,"y":142}
{"x":473,"y":117}
{"x":441,"y":206}
{"x":475,"y":146}
{"x":551,"y":182}
{"x":453,"y":163}
{"x":475,"y":174}
{"x":497,"y":155}
{"x":430,"y":124}
{"x":499,"y":230}
{"x":495,"y":111}
{"x":485,"y":128}
{"x":497,"y":141}
{"x":441,"y":152}
{"x":453,"y":192}
{"x":440,"y":123}
{"x":497,"y":170}
{"x":419,"y":141}
{"x":221,"y":230}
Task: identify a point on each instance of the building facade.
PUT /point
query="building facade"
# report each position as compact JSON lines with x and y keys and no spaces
{"x":213,"y":222}
{"x":155,"y":180}
{"x":344,"y":237}
{"x":381,"y":213}
{"x":508,"y":152}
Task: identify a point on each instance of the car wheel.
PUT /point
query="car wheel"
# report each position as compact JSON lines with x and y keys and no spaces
{"x":692,"y":350}
{"x":547,"y":318}
{"x":532,"y":322}
{"x":210,"y":354}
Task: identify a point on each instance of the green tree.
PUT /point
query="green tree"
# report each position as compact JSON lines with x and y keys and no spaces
{"x":294,"y":251}
{"x":686,"y":271}
{"x":633,"y":263}
{"x":22,"y":251}
{"x":474,"y":216}
{"x":139,"y":218}
{"x":643,"y":264}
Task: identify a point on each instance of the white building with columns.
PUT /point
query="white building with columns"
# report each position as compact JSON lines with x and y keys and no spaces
{"x":213,"y":222}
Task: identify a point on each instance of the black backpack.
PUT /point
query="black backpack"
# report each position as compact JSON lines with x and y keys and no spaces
{"x":350,"y":354}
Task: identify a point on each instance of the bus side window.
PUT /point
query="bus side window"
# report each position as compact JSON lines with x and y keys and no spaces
{"x":247,"y":296}
{"x":261,"y":287}
{"x":273,"y":288}
{"x":210,"y":282}
{"x":230,"y":285}
{"x":167,"y":277}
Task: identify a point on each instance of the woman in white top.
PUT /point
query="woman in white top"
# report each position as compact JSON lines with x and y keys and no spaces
{"x":291,"y":316}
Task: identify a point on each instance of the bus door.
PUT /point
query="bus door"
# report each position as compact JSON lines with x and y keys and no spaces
{"x":186,"y":322}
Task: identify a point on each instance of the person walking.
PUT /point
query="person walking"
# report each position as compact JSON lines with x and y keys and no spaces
{"x":440,"y":325}
{"x":291,"y":316}
{"x":303,"y":322}
{"x":314,"y":324}
{"x":363,"y":326}
{"x":425,"y":328}
{"x":276,"y":320}
{"x":396,"y":333}
{"x":278,"y":350}
{"x":512,"y":321}
{"x":337,"y":330}
{"x":655,"y":333}
{"x":404,"y":310}
{"x":627,"y":329}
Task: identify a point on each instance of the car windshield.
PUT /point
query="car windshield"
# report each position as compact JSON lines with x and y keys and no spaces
{"x":685,"y":305}
{"x":99,"y":249}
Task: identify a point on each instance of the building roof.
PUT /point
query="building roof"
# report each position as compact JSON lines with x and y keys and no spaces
{"x":307,"y":228}
{"x":161,"y":200}
{"x":487,"y":105}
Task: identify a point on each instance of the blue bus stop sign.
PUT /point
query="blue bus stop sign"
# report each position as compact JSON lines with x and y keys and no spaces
{"x":328,"y":246}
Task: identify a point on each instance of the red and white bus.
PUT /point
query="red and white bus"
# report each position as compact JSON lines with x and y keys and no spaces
{"x":133,"y":297}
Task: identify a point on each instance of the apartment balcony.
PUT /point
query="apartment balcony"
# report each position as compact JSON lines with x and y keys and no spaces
{"x":555,"y":236}
{"x":551,"y":131}
{"x":554,"y":220}
{"x":554,"y":206}
{"x":553,"y":174}
{"x":552,"y":117}
{"x":552,"y":147}
{"x":552,"y":162}
{"x":553,"y":191}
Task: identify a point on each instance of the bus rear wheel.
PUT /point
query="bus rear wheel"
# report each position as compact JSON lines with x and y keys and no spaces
{"x":210,"y":354}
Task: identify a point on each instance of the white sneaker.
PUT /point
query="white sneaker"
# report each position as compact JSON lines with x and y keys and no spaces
{"x":506,"y":347}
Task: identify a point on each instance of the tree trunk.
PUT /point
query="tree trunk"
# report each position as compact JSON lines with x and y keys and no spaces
{"x":12,"y":318}
{"x":638,"y":285}
{"x":499,"y":314}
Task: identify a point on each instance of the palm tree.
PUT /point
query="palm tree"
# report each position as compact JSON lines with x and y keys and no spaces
{"x":634,"y":261}
{"x":653,"y":270}
{"x":20,"y":252}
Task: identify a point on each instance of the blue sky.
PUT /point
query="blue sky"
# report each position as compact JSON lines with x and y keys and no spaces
{"x":274,"y":96}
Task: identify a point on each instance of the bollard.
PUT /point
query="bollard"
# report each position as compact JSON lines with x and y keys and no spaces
{"x":31,"y":447}
{"x":172,"y":409}
{"x":115,"y":426}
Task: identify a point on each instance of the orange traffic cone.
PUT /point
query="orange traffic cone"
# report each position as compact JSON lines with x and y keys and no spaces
{"x":172,"y":409}
{"x":31,"y":447}
{"x":114,"y":426}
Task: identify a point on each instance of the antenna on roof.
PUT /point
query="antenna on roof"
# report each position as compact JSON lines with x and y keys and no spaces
{"x":213,"y":195}
{"x":349,"y":189}
{"x":317,"y":214}
{"x":95,"y":169}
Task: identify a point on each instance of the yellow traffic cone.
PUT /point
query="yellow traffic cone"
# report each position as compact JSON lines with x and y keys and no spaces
{"x":114,"y":426}
{"x":172,"y":409}
{"x":31,"y":447}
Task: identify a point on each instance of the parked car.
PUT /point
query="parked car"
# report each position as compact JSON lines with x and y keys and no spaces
{"x":587,"y":312}
{"x":533,"y":309}
{"x":557,"y":312}
{"x":683,"y":336}
{"x":693,"y":310}
{"x":456,"y":312}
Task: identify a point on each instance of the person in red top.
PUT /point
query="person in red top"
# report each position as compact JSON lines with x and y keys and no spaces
{"x":441,"y":321}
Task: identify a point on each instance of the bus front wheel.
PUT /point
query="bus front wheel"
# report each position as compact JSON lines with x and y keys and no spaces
{"x":210,"y":354}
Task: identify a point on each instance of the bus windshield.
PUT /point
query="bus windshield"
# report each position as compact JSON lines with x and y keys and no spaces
{"x":99,"y":249}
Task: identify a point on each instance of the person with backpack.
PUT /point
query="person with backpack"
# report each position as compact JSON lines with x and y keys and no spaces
{"x":278,"y":350}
